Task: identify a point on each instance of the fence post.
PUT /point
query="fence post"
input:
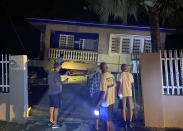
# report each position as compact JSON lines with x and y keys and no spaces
{"x":151,"y":89}
{"x":18,"y":89}
{"x":181,"y":66}
{"x":171,"y":72}
{"x":177,"y":71}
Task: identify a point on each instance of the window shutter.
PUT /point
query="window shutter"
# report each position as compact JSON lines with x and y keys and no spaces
{"x":70,"y":41}
{"x":137,"y":45}
{"x":147,"y":45}
{"x":66,"y":41}
{"x":81,"y":44}
{"x":115,"y":45}
{"x":62,"y":41}
{"x":126,"y":43}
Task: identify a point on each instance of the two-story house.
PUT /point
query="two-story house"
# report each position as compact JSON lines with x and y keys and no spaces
{"x":85,"y":45}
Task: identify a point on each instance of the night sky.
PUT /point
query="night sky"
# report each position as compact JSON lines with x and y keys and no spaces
{"x":19,"y":37}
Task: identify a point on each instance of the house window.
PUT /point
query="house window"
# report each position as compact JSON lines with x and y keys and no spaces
{"x":138,"y":45}
{"x":115,"y":45}
{"x":130,"y":44}
{"x":147,"y":45}
{"x":66,"y":41}
{"x":126,"y":44}
{"x":81,"y":44}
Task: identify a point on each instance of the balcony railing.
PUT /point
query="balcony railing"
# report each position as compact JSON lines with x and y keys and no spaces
{"x":75,"y":55}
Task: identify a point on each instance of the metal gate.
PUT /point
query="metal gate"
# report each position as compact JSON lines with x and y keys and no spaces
{"x":4,"y":73}
{"x":172,"y":72}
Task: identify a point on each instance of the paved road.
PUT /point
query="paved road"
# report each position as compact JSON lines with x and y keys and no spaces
{"x":76,"y":109}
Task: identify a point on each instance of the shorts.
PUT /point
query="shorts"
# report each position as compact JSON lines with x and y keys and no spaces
{"x":130,"y":100}
{"x":106,"y":113}
{"x":55,"y":100}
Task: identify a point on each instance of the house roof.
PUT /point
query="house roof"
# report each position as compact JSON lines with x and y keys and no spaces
{"x":80,"y":23}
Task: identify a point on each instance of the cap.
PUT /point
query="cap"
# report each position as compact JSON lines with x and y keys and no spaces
{"x":56,"y":65}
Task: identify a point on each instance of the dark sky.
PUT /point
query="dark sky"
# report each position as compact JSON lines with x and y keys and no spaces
{"x":18,"y":37}
{"x":14,"y":12}
{"x":65,"y":9}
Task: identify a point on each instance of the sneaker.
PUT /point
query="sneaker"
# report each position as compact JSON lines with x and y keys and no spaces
{"x":123,"y":124}
{"x":59,"y":123}
{"x":50,"y":124}
{"x":131,"y":125}
{"x":56,"y":126}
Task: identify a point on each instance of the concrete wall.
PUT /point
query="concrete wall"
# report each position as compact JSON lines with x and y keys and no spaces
{"x":152,"y":89}
{"x":14,"y":105}
{"x":104,"y":34}
{"x":114,"y":61}
{"x":159,"y":110}
{"x":173,"y":111}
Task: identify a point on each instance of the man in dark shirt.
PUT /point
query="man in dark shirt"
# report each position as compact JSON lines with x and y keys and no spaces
{"x":54,"y":92}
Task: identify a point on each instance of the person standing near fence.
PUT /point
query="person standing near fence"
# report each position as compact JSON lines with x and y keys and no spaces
{"x":125,"y":89}
{"x":107,"y":96}
{"x":95,"y":91}
{"x":54,"y":92}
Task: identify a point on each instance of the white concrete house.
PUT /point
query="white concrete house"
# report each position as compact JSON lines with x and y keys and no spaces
{"x":86,"y":45}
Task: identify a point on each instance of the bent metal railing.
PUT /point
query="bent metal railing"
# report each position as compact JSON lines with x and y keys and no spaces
{"x":75,"y":55}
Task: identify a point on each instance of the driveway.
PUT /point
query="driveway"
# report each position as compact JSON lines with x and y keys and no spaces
{"x":76,"y":111}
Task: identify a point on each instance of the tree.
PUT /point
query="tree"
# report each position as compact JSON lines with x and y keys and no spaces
{"x":124,"y":9}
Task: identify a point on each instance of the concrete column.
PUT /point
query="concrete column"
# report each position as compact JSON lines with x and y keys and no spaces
{"x":14,"y":105}
{"x":152,"y":89}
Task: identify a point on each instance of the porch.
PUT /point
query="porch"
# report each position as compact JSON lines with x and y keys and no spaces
{"x":73,"y":55}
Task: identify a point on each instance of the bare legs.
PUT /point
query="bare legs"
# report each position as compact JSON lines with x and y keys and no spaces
{"x":55,"y":111}
{"x":51,"y":114}
{"x":110,"y":126}
{"x":131,"y":115}
{"x":124,"y":115}
{"x":124,"y":108}
{"x":97,"y":126}
{"x":56,"y":115}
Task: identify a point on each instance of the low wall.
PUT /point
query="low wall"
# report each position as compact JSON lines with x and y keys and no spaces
{"x":173,"y":111}
{"x":14,"y":105}
{"x":159,"y":110}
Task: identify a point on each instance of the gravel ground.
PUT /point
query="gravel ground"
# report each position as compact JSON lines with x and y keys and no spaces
{"x":10,"y":126}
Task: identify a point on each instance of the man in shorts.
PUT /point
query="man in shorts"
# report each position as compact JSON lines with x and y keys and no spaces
{"x":107,"y":96}
{"x":54,"y":92}
{"x":126,"y":82}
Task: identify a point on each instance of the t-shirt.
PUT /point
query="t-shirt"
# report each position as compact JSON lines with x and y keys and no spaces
{"x":126,"y":79}
{"x":108,"y":85}
{"x":54,"y":82}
